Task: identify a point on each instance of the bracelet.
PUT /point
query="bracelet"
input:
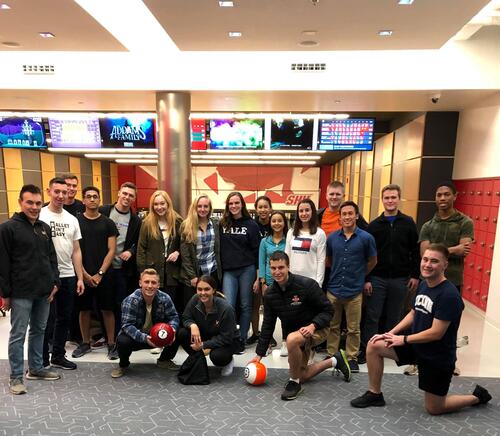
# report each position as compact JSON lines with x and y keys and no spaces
{"x":405,"y":339}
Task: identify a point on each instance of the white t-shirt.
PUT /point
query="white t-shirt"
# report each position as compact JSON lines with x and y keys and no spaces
{"x":307,"y":254}
{"x":65,"y":230}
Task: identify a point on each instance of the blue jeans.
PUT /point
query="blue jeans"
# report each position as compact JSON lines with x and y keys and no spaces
{"x":239,"y":282}
{"x":386,"y":301}
{"x":23,"y":312}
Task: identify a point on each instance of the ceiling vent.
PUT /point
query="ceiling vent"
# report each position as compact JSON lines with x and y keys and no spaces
{"x":39,"y":69}
{"x":308,"y":67}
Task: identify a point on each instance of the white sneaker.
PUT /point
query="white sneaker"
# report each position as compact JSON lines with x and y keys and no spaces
{"x":411,"y":370}
{"x":463,"y":341}
{"x":156,"y":350}
{"x":228,"y":369}
{"x":284,"y":350}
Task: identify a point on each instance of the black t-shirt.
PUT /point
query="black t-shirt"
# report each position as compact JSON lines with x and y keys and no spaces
{"x":94,"y":242}
{"x":264,"y":229}
{"x":76,"y":208}
{"x":442,"y":302}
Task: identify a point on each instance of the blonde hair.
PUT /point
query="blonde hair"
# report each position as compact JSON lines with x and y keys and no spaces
{"x":189,"y":227}
{"x":151,"y":221}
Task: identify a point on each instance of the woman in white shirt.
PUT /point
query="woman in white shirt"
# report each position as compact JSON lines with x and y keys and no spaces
{"x":306,"y":243}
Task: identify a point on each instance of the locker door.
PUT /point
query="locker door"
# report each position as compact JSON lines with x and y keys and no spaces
{"x":495,"y":197}
{"x":484,"y":218}
{"x":476,"y":292}
{"x":467,"y":288}
{"x":480,"y":243}
{"x":492,"y":221}
{"x":490,"y":245}
{"x":488,"y":192}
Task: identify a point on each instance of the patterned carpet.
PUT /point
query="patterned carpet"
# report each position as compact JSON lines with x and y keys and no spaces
{"x":150,"y":401}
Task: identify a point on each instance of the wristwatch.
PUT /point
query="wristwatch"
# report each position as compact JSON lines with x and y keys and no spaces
{"x":101,"y":272}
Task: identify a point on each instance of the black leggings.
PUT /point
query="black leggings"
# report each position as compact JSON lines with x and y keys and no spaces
{"x":219,"y":356}
{"x":126,"y":345}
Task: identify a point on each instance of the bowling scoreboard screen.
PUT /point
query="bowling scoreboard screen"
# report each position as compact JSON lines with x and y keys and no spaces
{"x":351,"y":134}
{"x":131,"y":131}
{"x":234,"y":134}
{"x":22,"y":132}
{"x":292,"y":134}
{"x":75,"y":132}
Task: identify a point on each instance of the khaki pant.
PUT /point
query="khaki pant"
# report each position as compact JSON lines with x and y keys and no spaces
{"x":317,"y":338}
{"x":352,"y":308}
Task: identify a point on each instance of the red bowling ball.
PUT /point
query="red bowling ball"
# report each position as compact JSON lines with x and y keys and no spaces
{"x":162,"y":334}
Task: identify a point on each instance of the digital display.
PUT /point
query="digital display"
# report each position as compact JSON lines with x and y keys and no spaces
{"x":22,"y":132}
{"x":292,"y":134}
{"x":75,"y":132}
{"x":198,"y":134}
{"x":351,"y":134}
{"x":236,"y":134}
{"x":130,"y":131}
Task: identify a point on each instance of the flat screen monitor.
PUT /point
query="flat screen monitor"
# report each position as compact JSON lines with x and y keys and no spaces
{"x":198,"y":134}
{"x":348,"y":135}
{"x":22,"y":132}
{"x":236,"y":134}
{"x":74,"y":132}
{"x":130,"y":131}
{"x":290,"y":134}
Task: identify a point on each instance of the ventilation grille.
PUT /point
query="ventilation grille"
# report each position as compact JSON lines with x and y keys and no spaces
{"x":308,"y":67}
{"x":39,"y":69}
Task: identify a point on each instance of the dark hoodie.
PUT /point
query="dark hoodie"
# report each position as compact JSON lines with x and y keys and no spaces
{"x":28,"y":264}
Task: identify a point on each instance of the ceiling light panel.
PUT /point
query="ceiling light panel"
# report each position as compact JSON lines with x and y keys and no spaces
{"x":47,"y":35}
{"x":385,"y":33}
{"x":4,"y":6}
{"x":226,"y":4}
{"x":405,"y":2}
{"x":234,"y":34}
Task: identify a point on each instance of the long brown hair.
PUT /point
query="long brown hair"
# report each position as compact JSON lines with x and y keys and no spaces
{"x":151,"y":221}
{"x":313,"y":222}
{"x":227,"y":218}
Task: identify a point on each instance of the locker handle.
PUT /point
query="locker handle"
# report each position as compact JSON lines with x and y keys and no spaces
{"x":482,"y":243}
{"x":484,"y":297}
{"x":479,"y":193}
{"x":471,"y":265}
{"x":476,"y":217}
{"x":488,"y":272}
{"x":492,"y":246}
{"x":479,"y":268}
{"x":471,"y":192}
{"x":485,"y":219}
{"x":476,"y":292}
{"x":497,"y":193}
{"x":488,"y":193}
{"x":494,"y":220}
{"x":469,"y":288}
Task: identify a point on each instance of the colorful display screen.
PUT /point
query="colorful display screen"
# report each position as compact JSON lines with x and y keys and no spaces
{"x":22,"y":132}
{"x":75,"y":132}
{"x":198,"y":134}
{"x":131,"y":131}
{"x":292,"y":134}
{"x":236,"y":134}
{"x":351,"y":134}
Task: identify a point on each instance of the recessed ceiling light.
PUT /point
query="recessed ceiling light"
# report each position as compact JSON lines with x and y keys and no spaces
{"x":47,"y":35}
{"x":11,"y":44}
{"x":4,"y":6}
{"x":226,"y":4}
{"x":234,"y":34}
{"x":405,"y":2}
{"x":309,"y":43}
{"x":385,"y":33}
{"x":309,"y":32}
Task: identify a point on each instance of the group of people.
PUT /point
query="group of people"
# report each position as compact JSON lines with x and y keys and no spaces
{"x":207,"y":278}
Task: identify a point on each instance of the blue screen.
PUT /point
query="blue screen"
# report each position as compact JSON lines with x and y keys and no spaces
{"x":20,"y":132}
{"x":132,"y":131}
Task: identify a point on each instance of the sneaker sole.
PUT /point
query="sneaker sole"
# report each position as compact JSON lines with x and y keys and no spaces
{"x":364,"y":406}
{"x":294,"y":397}
{"x":35,"y":377}
{"x":14,"y":392}
{"x":55,"y":365}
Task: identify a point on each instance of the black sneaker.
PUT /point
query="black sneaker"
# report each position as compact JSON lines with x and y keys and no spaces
{"x":252,"y":339}
{"x":369,"y":399}
{"x":81,"y":350}
{"x":354,"y":366}
{"x":112,"y":352}
{"x":482,"y":394}
{"x":240,"y":349}
{"x":63,"y":363}
{"x":342,"y":365}
{"x":292,"y":390}
{"x":362,"y":357}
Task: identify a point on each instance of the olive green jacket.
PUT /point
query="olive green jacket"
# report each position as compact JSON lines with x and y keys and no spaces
{"x":151,"y":253}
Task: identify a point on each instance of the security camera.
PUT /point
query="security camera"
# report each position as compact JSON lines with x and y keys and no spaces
{"x":435,"y":98}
